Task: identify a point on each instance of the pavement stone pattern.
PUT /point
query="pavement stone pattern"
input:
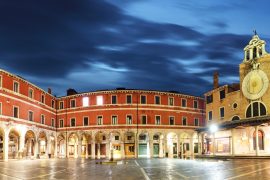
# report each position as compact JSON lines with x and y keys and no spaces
{"x":136,"y":169}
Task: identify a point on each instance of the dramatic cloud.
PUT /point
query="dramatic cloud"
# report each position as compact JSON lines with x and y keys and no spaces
{"x":90,"y":45}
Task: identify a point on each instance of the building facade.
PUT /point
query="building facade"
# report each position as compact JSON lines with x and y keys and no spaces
{"x":238,"y":114}
{"x":117,"y":123}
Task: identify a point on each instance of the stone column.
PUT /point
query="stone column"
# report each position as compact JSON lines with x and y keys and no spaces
{"x":6,"y":138}
{"x":48,"y":147}
{"x":79,"y":148}
{"x":161,"y":148}
{"x":36,"y":147}
{"x":233,"y":142}
{"x":86,"y":150}
{"x":98,"y":150}
{"x":191,"y":148}
{"x":93,"y":150}
{"x":55,"y":147}
{"x":21,"y":148}
{"x":122,"y":150}
{"x":257,"y":140}
{"x":199,"y":144}
{"x":151,"y":148}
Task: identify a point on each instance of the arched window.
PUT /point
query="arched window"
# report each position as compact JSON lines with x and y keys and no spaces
{"x":247,"y":55}
{"x":260,"y":140}
{"x":235,"y":118}
{"x":256,"y":109}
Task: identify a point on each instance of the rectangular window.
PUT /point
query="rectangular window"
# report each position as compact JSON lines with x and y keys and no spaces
{"x":52,"y":122}
{"x":99,"y":120}
{"x":129,"y":119}
{"x":72,"y":103}
{"x":114,"y":120}
{"x":0,"y":108}
{"x":42,"y":98}
{"x":209,"y":115}
{"x":99,"y":100}
{"x":171,"y":120}
{"x":157,"y":120}
{"x":195,"y":104}
{"x":16,"y":112}
{"x":31,"y":93}
{"x":171,"y":101}
{"x":114,"y":99}
{"x":157,"y":99}
{"x":129,"y":99}
{"x":184,"y":121}
{"x":144,"y":119}
{"x":196,"y":122}
{"x":16,"y":86}
{"x":85,"y":121}
{"x":72,"y":122}
{"x":222,"y":94}
{"x":61,"y":105}
{"x":116,"y":138}
{"x":209,"y":99}
{"x":85,"y":101}
{"x":30,"y":116}
{"x":53,"y":103}
{"x":221,"y":111}
{"x":61,"y":123}
{"x":143,"y":99}
{"x":42,"y":120}
{"x":184,"y":103}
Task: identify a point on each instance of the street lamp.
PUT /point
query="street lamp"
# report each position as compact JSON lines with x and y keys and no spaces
{"x":213,"y":128}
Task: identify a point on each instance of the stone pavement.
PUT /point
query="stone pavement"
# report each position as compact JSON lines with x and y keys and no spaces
{"x":135,"y":169}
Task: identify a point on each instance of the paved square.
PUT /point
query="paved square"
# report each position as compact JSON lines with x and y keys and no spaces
{"x":135,"y":169}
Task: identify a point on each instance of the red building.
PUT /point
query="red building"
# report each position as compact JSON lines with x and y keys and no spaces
{"x":121,"y":123}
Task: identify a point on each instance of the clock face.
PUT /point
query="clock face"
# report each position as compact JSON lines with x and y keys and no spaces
{"x":255,"y":84}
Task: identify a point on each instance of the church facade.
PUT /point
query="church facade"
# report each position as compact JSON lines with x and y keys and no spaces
{"x":121,"y":123}
{"x":237,"y":115}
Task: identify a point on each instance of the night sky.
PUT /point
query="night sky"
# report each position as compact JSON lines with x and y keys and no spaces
{"x":143,"y":44}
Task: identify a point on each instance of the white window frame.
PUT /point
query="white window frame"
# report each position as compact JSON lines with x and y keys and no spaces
{"x":14,"y":86}
{"x":195,"y":122}
{"x":52,"y":122}
{"x":131,"y":98}
{"x":142,"y":119}
{"x":60,"y":123}
{"x":156,"y":119}
{"x":1,"y":81}
{"x":101,"y":120}
{"x":42,"y":95}
{"x":99,"y":100}
{"x":173,"y":120}
{"x":223,"y":112}
{"x":85,"y":101}
{"x":41,"y":119}
{"x":1,"y":108}
{"x":18,"y":111}
{"x":60,"y":105}
{"x":112,"y":99}
{"x":53,"y":103}
{"x":182,"y":102}
{"x":169,"y":101}
{"x":87,"y":119}
{"x":32,"y":115}
{"x":183,"y":121}
{"x":29,"y":90}
{"x":194,"y":104}
{"x":159,"y":100}
{"x":127,"y":119}
{"x":70,"y":124}
{"x":116,"y":120}
{"x":141,"y":98}
{"x":70,"y":102}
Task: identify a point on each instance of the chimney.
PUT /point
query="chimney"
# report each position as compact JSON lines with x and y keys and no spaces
{"x":215,"y":79}
{"x":49,"y":90}
{"x":71,"y":92}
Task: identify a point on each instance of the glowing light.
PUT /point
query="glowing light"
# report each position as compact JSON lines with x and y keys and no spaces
{"x":99,"y":100}
{"x":85,"y":101}
{"x":213,"y":128}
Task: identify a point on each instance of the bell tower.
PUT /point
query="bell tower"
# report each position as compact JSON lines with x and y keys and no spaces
{"x":255,"y":49}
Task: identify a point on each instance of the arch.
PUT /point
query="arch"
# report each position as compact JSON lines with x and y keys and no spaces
{"x":158,"y":136}
{"x":13,"y":144}
{"x":2,"y":134}
{"x":85,"y":139}
{"x":235,"y":118}
{"x":30,"y":142}
{"x":260,"y":140}
{"x":100,"y":146}
{"x":100,"y":137}
{"x":61,"y":145}
{"x":42,"y":143}
{"x":129,"y":144}
{"x":255,"y":109}
{"x":73,"y":145}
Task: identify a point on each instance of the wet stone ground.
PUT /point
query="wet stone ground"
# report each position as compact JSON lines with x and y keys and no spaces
{"x":157,"y":169}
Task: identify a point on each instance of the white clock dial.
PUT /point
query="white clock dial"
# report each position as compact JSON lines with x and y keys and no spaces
{"x":255,"y":84}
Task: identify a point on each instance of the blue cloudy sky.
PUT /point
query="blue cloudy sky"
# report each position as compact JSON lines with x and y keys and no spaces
{"x":144,"y":44}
